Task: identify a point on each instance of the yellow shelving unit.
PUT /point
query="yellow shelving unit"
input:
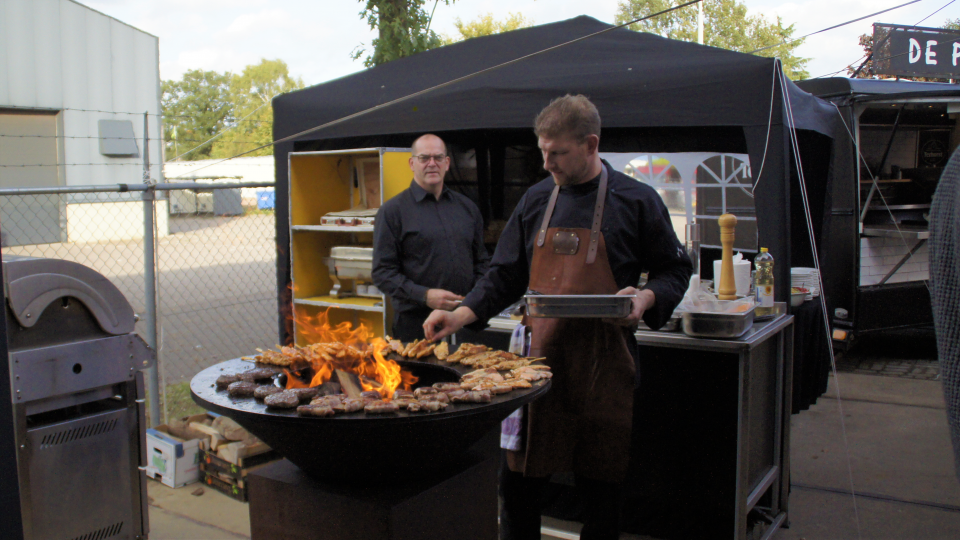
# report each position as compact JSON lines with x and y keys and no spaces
{"x":334,"y":181}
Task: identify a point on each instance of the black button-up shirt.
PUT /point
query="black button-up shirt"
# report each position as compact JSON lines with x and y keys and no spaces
{"x":421,"y":242}
{"x":636,"y":229}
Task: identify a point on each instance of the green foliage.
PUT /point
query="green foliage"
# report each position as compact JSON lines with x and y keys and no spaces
{"x":196,"y":108}
{"x":250,"y":95}
{"x":726,"y":25}
{"x":206,"y":103}
{"x":486,"y":25}
{"x":404,"y":30}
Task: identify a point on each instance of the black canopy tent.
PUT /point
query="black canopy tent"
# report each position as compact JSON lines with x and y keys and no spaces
{"x":653,"y":94}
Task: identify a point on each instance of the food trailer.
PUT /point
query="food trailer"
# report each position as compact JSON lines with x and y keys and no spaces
{"x":901,"y":135}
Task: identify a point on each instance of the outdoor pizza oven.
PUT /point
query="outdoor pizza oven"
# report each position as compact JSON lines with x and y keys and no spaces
{"x":77,"y":389}
{"x":358,"y":446}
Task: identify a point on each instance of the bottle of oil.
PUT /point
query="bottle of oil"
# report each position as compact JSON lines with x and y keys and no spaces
{"x":763,"y":283}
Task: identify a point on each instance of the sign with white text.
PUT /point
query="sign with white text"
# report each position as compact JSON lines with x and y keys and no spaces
{"x":912,"y":51}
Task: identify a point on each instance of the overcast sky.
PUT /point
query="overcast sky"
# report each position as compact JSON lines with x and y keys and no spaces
{"x":315,"y":37}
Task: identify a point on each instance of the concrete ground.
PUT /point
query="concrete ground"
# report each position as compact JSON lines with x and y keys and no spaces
{"x":894,"y":435}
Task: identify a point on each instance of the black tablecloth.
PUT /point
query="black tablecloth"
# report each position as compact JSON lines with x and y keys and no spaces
{"x":811,"y":354}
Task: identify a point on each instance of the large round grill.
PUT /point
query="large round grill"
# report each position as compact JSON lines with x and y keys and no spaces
{"x":359,"y":445}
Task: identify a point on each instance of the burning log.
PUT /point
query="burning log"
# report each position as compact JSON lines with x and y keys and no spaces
{"x":349,"y":383}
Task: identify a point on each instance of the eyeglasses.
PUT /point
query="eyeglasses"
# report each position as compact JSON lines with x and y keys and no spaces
{"x":425,"y":158}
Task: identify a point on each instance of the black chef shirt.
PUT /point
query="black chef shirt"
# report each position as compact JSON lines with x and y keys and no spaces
{"x":421,"y":242}
{"x":636,"y":228}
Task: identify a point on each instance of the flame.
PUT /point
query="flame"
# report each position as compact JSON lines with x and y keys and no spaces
{"x":343,"y":347}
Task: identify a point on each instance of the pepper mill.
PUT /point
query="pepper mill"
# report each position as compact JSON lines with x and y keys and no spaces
{"x":727,"y":285}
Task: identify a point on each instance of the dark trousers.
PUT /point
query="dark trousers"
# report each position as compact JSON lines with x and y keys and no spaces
{"x":520,"y":515}
{"x":408,"y":325}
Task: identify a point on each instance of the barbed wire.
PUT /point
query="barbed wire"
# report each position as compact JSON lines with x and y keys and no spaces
{"x":141,"y":113}
{"x":131,"y":164}
{"x":2,"y":135}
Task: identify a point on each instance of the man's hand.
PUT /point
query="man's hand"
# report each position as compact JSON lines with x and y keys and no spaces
{"x":643,"y":301}
{"x":441,"y":299}
{"x":441,"y":324}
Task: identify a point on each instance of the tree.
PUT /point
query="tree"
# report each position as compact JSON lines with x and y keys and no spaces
{"x":726,"y":25}
{"x":195,"y":108}
{"x":251,"y":124}
{"x":865,"y":69}
{"x":485,"y":25}
{"x":404,"y":30}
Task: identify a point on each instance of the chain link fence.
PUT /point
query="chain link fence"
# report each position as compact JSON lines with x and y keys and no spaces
{"x":215,"y":264}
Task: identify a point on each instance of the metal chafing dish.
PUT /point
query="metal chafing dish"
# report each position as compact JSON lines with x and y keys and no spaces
{"x":350,"y":218}
{"x":351,"y":269}
{"x":579,"y":306}
{"x":717,"y":325}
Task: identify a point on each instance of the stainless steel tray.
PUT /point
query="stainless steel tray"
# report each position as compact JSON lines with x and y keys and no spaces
{"x":579,"y":306}
{"x":717,"y":325}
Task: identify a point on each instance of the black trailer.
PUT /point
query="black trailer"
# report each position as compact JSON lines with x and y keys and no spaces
{"x":875,"y":265}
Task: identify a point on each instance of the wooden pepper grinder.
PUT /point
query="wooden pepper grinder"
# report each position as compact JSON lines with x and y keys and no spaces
{"x":727,"y":285}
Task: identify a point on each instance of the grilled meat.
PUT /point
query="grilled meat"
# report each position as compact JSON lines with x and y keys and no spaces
{"x":381,"y":407}
{"x":315,"y":410}
{"x":224,"y":381}
{"x":242,"y":389}
{"x":265,"y":390}
{"x":288,"y":399}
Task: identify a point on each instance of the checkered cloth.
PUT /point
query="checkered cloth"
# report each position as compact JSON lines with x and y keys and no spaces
{"x":511,"y":429}
{"x":945,"y":290}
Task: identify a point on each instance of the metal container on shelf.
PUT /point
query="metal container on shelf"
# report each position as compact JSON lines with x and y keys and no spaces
{"x":717,"y":325}
{"x":350,"y":218}
{"x":350,"y":262}
{"x":579,"y":306}
{"x":353,"y":264}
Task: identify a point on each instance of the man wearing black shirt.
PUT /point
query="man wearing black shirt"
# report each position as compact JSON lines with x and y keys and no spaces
{"x":585,"y":230}
{"x":428,"y":243}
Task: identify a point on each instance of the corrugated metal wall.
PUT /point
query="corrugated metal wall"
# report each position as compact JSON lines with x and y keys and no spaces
{"x":61,"y":55}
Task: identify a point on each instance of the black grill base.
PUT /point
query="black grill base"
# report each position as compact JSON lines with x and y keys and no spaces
{"x":286,"y":504}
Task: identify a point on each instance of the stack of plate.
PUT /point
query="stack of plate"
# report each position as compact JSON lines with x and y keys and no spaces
{"x":807,"y":278}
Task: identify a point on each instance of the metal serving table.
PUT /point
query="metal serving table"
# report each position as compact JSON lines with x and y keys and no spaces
{"x":712,"y":432}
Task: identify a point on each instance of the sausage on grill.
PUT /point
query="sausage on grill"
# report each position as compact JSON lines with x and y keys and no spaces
{"x":314,"y":410}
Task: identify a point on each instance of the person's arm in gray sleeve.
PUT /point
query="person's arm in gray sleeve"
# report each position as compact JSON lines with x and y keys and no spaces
{"x":387,"y":252}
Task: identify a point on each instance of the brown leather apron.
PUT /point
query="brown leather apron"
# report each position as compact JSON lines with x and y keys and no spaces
{"x":583,"y":424}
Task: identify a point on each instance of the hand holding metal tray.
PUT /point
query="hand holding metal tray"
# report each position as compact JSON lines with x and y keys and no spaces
{"x":579,"y":306}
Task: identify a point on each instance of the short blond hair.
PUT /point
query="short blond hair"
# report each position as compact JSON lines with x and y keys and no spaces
{"x":573,"y":116}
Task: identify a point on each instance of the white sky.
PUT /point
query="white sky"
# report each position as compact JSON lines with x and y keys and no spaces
{"x":315,"y":37}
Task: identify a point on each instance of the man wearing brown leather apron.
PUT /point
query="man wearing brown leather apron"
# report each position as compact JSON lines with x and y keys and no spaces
{"x":585,"y":230}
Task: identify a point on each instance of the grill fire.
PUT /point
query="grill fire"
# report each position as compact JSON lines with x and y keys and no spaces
{"x":343,"y":348}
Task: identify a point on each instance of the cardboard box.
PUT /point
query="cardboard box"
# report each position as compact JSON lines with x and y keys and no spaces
{"x":173,"y":461}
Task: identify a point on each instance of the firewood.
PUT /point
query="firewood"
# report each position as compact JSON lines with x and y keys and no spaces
{"x":230,"y":429}
{"x":349,"y":383}
{"x":216,"y":439}
{"x":236,"y":451}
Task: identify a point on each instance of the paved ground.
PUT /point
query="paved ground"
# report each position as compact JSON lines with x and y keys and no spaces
{"x":910,"y":353}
